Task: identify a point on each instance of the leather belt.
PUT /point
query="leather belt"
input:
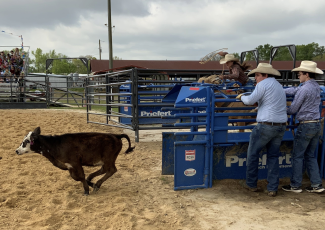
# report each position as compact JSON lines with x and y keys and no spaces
{"x":312,"y":121}
{"x":273,"y":123}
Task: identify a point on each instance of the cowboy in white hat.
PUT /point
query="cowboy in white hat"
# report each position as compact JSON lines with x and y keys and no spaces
{"x":236,"y":71}
{"x":306,"y":107}
{"x":271,"y":118}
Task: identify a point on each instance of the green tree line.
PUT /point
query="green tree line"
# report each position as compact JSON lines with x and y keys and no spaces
{"x":311,"y":52}
{"x":37,"y":64}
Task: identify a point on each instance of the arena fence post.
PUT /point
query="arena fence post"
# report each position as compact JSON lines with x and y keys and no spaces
{"x":10,"y":99}
{"x":46,"y":80}
{"x":87,"y":95}
{"x":107,"y":98}
{"x":134,"y":99}
{"x":67,"y":80}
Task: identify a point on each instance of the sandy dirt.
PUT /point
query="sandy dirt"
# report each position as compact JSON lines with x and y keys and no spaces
{"x":36,"y":195}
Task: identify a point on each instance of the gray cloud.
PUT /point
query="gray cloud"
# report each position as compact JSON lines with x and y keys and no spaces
{"x":50,"y":13}
{"x":166,"y":29}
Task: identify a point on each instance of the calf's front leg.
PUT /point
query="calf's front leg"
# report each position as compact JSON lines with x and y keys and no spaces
{"x":57,"y":163}
{"x":60,"y":165}
{"x":77,"y":173}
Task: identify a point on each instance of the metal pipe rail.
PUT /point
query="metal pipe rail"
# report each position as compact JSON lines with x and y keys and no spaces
{"x":138,"y":93}
{"x":111,"y":75}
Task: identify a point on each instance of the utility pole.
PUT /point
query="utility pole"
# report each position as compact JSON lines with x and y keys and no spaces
{"x":100,"y":51}
{"x":109,"y":26}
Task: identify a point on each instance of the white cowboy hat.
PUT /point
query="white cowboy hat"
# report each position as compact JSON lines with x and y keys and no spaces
{"x":265,"y":68}
{"x":228,"y":57}
{"x":308,"y":66}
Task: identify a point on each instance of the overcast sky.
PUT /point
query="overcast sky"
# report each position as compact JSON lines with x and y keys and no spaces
{"x":160,"y":29}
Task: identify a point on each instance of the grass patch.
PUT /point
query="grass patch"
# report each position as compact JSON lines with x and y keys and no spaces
{"x":165,"y":180}
{"x":79,"y":90}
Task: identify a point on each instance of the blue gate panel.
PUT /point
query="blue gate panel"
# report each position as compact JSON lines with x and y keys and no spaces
{"x":192,"y":95}
{"x":168,"y":151}
{"x":172,"y":95}
{"x":245,"y":136}
{"x":220,"y":135}
{"x":155,"y":111}
{"x":189,"y":166}
{"x":230,"y":162}
{"x":147,"y":113}
{"x":128,"y":111}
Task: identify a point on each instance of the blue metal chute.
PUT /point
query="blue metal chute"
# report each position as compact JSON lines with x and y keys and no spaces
{"x":192,"y":96}
{"x":151,"y":99}
{"x":192,"y":156}
{"x":172,"y":95}
{"x":217,"y":151}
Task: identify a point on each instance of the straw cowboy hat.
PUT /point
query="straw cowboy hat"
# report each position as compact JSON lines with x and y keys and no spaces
{"x":308,"y":66}
{"x":265,"y":68}
{"x":228,"y":57}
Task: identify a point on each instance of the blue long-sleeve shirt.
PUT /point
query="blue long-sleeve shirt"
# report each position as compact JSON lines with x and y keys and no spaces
{"x":306,"y":102}
{"x":271,"y":101}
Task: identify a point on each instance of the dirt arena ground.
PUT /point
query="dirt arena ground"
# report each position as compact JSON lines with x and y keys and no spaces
{"x":36,"y":195}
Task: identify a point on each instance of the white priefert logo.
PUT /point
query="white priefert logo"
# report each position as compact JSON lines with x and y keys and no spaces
{"x":158,"y":113}
{"x":235,"y":160}
{"x":190,"y":172}
{"x":195,"y":100}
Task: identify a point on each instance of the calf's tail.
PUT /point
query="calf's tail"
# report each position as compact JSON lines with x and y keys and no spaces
{"x":130,"y":149}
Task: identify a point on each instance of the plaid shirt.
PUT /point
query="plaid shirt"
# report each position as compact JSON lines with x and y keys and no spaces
{"x":237,"y":74}
{"x":306,"y":102}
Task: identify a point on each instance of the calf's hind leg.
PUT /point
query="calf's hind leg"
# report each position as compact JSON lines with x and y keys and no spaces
{"x":94,"y":174}
{"x":77,"y":173}
{"x":109,"y":172}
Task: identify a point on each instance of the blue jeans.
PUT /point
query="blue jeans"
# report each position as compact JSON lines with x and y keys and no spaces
{"x":305,"y":144}
{"x":270,"y":137}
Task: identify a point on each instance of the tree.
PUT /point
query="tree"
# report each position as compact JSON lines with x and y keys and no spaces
{"x":236,"y":55}
{"x":264,"y":52}
{"x":319,"y":58}
{"x":39,"y":61}
{"x":80,"y":67}
{"x":312,"y":51}
{"x":63,"y":66}
{"x":249,"y":57}
{"x":116,"y":58}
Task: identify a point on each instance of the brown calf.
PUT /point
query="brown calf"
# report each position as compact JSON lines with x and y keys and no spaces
{"x":74,"y":150}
